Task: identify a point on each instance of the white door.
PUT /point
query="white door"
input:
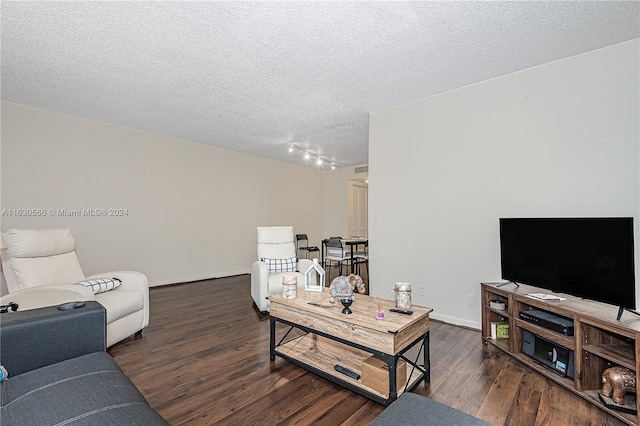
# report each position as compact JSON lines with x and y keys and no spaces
{"x":358,"y":209}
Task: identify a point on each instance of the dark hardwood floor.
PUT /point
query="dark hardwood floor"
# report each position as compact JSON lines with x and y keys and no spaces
{"x":204,"y":359}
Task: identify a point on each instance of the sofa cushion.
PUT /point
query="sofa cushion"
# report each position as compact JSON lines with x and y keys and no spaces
{"x":39,"y":242}
{"x":120,"y":303}
{"x":411,"y":409}
{"x":87,"y":390}
{"x":100,"y":285}
{"x":53,"y":270}
{"x":43,"y":257}
{"x":276,"y":242}
{"x":281,"y":265}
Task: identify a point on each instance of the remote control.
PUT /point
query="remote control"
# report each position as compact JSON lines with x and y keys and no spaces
{"x":347,"y":372}
{"x":70,"y":306}
{"x":402,"y":311}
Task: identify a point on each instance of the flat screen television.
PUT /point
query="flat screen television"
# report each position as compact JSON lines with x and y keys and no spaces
{"x":591,"y":258}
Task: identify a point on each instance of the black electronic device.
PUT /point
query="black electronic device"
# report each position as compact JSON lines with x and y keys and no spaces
{"x":401,"y":311}
{"x":548,"y":354}
{"x":70,"y":306}
{"x":585,"y":257}
{"x":548,"y":320}
{"x":11,"y":307}
{"x":346,"y":371}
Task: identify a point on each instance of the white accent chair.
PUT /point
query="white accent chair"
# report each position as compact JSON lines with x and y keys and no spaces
{"x":274,"y":242}
{"x":41,"y":268}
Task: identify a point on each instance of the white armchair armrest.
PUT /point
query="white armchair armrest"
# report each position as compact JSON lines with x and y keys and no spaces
{"x":260,"y":289}
{"x":304,"y":265}
{"x":131,"y":281}
{"x":259,"y":292}
{"x":39,"y":297}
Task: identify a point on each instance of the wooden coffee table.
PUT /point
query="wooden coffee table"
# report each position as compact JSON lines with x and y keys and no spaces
{"x":319,"y":336}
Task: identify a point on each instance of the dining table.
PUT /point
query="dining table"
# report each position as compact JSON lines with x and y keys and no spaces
{"x":352,"y":244}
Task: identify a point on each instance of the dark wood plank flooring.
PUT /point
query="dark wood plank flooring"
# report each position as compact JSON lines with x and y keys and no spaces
{"x":204,"y":359}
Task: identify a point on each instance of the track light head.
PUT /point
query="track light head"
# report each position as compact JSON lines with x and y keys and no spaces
{"x":308,"y":156}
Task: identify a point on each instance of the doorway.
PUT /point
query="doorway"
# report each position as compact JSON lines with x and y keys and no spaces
{"x":358,"y":206}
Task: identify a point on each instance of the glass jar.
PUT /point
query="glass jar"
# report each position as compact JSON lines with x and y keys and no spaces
{"x":403,"y":295}
{"x":289,"y":287}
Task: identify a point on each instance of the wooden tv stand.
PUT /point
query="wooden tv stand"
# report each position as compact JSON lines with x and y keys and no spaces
{"x":599,"y":341}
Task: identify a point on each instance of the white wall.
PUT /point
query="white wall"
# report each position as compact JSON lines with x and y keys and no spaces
{"x":193,"y":209}
{"x":560,"y":139}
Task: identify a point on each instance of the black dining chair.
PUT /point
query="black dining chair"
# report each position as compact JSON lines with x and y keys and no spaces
{"x":360,"y":257}
{"x":302,"y":243}
{"x":336,"y":256}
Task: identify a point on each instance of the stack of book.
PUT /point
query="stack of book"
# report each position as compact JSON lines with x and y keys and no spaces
{"x":499,"y":330}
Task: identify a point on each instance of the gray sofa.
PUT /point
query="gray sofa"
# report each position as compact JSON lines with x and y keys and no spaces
{"x":416,"y":410}
{"x":59,"y":372}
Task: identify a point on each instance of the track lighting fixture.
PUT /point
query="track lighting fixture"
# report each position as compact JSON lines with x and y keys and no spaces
{"x":308,"y":156}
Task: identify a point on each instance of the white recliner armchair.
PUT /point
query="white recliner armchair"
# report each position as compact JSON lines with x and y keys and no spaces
{"x":41,"y":268}
{"x":276,"y":258}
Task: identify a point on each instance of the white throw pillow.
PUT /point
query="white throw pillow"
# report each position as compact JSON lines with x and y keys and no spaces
{"x":100,"y":285}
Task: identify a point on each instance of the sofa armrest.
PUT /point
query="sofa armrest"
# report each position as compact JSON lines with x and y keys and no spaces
{"x":39,"y":337}
{"x":50,"y":295}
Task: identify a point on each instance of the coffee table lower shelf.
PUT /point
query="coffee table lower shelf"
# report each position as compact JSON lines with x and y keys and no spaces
{"x":319,"y":355}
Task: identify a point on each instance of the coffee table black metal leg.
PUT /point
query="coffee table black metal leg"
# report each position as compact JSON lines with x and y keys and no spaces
{"x":272,"y":339}
{"x":427,"y":358}
{"x":392,"y":362}
{"x":393,"y":391}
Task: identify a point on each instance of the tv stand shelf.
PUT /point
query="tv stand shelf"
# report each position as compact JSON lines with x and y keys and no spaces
{"x":600,"y":340}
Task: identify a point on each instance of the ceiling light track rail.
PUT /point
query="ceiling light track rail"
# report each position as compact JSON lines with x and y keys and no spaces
{"x":320,"y":162}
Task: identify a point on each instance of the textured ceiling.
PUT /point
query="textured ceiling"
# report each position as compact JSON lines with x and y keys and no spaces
{"x":256,"y":76}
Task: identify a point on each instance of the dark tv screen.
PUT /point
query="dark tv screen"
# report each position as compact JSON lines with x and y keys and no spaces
{"x":591,"y":258}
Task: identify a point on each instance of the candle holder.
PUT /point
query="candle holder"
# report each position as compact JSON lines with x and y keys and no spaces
{"x":289,"y":287}
{"x":314,"y":277}
{"x":346,"y":302}
{"x":403,"y":295}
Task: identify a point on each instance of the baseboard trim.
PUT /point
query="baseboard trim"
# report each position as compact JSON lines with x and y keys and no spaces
{"x":456,"y":321}
{"x":193,"y":280}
